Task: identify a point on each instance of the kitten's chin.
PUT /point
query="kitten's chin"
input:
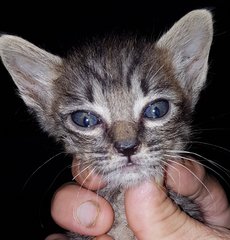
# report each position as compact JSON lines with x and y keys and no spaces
{"x":132,"y":175}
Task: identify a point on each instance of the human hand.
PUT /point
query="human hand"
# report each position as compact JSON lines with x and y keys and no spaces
{"x":150,"y":213}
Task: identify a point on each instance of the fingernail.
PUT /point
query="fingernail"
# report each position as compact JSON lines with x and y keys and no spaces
{"x":87,"y":213}
{"x":56,"y":236}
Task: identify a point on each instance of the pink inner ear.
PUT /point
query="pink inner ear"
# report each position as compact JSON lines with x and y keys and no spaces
{"x":36,"y":70}
{"x":32,"y":77}
{"x":194,"y":46}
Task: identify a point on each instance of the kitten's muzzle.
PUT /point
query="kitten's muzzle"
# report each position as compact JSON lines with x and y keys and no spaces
{"x":124,"y":138}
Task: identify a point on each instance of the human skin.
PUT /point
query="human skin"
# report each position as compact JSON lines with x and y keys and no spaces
{"x":150,"y":213}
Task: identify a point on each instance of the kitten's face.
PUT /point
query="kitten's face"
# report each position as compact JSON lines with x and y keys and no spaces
{"x":118,"y":105}
{"x":121,"y":111}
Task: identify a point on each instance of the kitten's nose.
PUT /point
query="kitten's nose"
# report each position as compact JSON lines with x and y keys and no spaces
{"x":127,"y":147}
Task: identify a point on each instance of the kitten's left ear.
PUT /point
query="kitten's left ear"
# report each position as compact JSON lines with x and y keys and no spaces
{"x":32,"y":69}
{"x":188,"y":43}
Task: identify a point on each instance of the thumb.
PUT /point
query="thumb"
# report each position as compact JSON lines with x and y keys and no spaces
{"x":151,"y":214}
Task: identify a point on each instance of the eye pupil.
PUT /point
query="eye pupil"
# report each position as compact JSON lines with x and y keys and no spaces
{"x":157,"y":112}
{"x":157,"y":109}
{"x":85,"y":119}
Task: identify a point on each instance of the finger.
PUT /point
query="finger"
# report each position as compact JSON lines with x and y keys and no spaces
{"x":205,"y":190}
{"x":151,"y":214}
{"x":85,"y":176}
{"x":214,"y":203}
{"x":185,"y":177}
{"x":82,"y":211}
{"x":56,"y":237}
{"x":103,"y":237}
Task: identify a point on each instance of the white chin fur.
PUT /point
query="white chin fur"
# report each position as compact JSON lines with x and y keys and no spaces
{"x":126,"y":178}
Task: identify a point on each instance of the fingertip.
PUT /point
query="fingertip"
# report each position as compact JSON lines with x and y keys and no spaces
{"x":184,"y":173}
{"x":103,"y":237}
{"x":56,"y":236}
{"x":86,"y":178}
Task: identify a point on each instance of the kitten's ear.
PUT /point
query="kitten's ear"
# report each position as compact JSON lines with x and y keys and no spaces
{"x":31,"y":68}
{"x":188,"y":44}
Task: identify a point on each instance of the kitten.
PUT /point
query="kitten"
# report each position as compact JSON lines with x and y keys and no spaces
{"x":119,"y":105}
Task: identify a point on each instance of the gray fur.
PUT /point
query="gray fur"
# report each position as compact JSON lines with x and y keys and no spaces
{"x":116,"y":78}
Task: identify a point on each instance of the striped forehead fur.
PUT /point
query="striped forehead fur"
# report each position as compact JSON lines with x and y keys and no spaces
{"x":126,"y":67}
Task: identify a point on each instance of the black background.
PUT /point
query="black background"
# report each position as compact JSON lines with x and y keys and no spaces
{"x":26,"y":187}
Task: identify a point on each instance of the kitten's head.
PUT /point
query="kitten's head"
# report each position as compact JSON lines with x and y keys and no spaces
{"x":119,"y":105}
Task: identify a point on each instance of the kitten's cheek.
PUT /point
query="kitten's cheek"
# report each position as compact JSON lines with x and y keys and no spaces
{"x":86,"y":177}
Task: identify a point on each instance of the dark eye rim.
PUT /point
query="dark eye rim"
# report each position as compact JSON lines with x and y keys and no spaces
{"x":100,"y":121}
{"x":152,"y":102}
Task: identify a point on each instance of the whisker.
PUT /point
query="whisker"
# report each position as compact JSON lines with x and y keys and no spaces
{"x":98,"y":151}
{"x":191,"y":160}
{"x":226,"y":171}
{"x":90,"y":173}
{"x":84,"y":169}
{"x":179,"y":164}
{"x":211,"y":145}
{"x":81,"y":163}
{"x":165,"y":170}
{"x":56,"y":177}
{"x":211,"y":129}
{"x":81,"y":186}
{"x":47,"y":191}
{"x":41,"y":166}
{"x":197,"y":162}
{"x":101,"y":175}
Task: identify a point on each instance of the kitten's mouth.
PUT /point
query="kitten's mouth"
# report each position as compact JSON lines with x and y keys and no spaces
{"x":131,"y":171}
{"x":130,"y":164}
{"x":130,"y":161}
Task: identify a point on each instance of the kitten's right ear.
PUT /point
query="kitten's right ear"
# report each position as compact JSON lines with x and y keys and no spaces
{"x":32,"y":69}
{"x":188,"y":43}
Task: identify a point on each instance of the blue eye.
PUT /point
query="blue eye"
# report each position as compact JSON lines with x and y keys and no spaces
{"x":157,"y":109}
{"x":85,"y":119}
